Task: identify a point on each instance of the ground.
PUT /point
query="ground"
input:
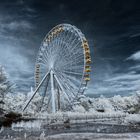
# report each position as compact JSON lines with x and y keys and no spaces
{"x":95,"y":136}
{"x":81,"y":136}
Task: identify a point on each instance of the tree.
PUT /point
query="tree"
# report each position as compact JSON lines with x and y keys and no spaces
{"x":5,"y":85}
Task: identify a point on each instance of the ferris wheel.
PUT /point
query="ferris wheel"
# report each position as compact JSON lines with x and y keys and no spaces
{"x":62,"y":66}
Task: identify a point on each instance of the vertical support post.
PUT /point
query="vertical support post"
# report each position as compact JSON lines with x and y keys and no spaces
{"x":62,"y":88}
{"x":58,"y":99}
{"x":52,"y":91}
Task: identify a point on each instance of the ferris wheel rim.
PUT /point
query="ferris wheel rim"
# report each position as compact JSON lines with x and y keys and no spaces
{"x":82,"y":37}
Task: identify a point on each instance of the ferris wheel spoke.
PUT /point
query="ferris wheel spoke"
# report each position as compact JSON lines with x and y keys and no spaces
{"x":46,"y":50}
{"x":74,"y":44}
{"x":67,"y":46}
{"x":58,"y":78}
{"x":68,"y":89}
{"x":44,"y":59}
{"x":73,"y":56}
{"x":71,"y":50}
{"x":72,"y":63}
{"x":72,"y":86}
{"x":63,"y":37}
{"x":71,"y":89}
{"x":67,"y":38}
{"x":74,"y":79}
{"x":73,"y":67}
{"x":63,"y":49}
{"x":40,"y":62}
{"x":68,"y":77}
{"x":57,"y":45}
{"x":74,"y":73}
{"x":66,"y":83}
{"x":76,"y":52}
{"x":70,"y":67}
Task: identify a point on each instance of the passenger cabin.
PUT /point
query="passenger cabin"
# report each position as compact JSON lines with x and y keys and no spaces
{"x":87,"y":79}
{"x":87,"y":67}
{"x":86,"y":75}
{"x":87,"y":70}
{"x":88,"y":57}
{"x":88,"y":61}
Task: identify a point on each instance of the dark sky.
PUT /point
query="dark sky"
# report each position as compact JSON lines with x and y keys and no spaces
{"x":112,"y":28}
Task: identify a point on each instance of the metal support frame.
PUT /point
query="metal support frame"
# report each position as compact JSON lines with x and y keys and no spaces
{"x":52,"y":79}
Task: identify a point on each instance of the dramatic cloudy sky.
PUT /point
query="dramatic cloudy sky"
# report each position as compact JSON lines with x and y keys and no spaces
{"x":112,"y":28}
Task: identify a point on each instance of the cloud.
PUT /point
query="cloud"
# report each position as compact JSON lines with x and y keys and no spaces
{"x":113,"y":80}
{"x":125,"y":82}
{"x":19,"y":25}
{"x":14,"y":29}
{"x":136,"y":67}
{"x":122,"y":84}
{"x":135,"y":35}
{"x":135,"y":56}
{"x":17,"y":65}
{"x":15,"y":25}
{"x":124,"y":76}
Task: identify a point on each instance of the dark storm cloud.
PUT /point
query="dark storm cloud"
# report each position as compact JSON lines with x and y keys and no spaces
{"x":111,"y":27}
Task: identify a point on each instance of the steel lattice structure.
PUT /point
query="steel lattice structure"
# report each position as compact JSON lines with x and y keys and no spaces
{"x":63,"y":62}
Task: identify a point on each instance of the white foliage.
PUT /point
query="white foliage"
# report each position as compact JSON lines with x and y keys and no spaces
{"x":16,"y":102}
{"x":3,"y":83}
{"x":130,"y":104}
{"x":42,"y":136}
{"x":27,"y":125}
{"x":78,"y":108}
{"x":85,"y":104}
{"x":132,"y":119}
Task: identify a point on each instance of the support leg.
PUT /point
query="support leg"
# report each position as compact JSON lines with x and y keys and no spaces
{"x":42,"y":101}
{"x":52,"y":92}
{"x":36,"y":90}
